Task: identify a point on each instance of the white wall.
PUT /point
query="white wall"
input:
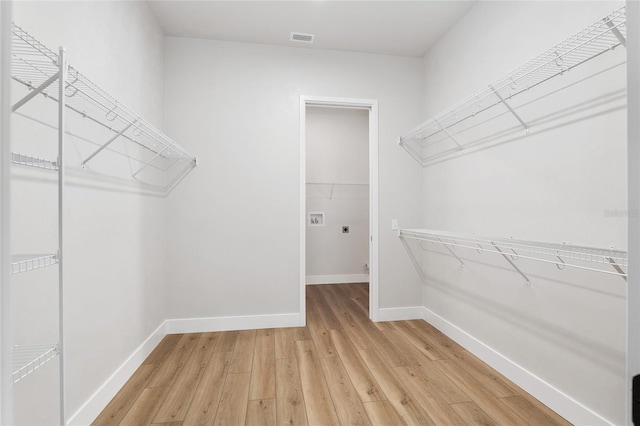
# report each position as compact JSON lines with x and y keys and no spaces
{"x":115,"y":237}
{"x":556,"y":185}
{"x":337,"y":150}
{"x":234,"y":246}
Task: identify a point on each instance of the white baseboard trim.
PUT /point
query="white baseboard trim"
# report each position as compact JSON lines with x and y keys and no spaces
{"x":400,"y":314}
{"x":553,"y":398}
{"x":337,"y":279}
{"x":94,"y":405}
{"x":247,"y":322}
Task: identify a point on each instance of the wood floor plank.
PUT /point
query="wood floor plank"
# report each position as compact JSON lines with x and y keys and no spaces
{"x":351,"y":323}
{"x":263,"y":372}
{"x":319,"y":334}
{"x":301,"y":333}
{"x":472,"y":414}
{"x":145,"y":407}
{"x":242,"y":359}
{"x":530,"y":413}
{"x":444,"y":386}
{"x":115,"y":411}
{"x":285,"y":345}
{"x":164,"y":349}
{"x":261,"y":412}
{"x":413,"y":356}
{"x":327,"y":314}
{"x":419,"y":341}
{"x":382,"y":413}
{"x":400,"y":398}
{"x":478,"y":393}
{"x":362,"y":302}
{"x":318,"y":403}
{"x":393,"y":357}
{"x":204,"y":404}
{"x":358,"y":372}
{"x":232,"y":409}
{"x":345,"y":399}
{"x":557,"y":418}
{"x":166,"y":374}
{"x":174,"y":408}
{"x":491,"y":379}
{"x":363,"y":381}
{"x":427,"y":396}
{"x":226,"y":341}
{"x":290,"y":404}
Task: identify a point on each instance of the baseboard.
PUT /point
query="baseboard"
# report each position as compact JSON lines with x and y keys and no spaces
{"x":400,"y":314}
{"x":247,"y":322}
{"x":553,"y":398}
{"x":95,"y":404}
{"x":337,"y":279}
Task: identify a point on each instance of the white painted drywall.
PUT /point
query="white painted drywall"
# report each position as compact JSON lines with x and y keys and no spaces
{"x":236,"y":248}
{"x":337,"y":149}
{"x":115,"y":238}
{"x":563,"y":182}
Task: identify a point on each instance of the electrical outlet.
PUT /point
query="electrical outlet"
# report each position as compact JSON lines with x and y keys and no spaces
{"x":394,"y":224}
{"x":345,"y":229}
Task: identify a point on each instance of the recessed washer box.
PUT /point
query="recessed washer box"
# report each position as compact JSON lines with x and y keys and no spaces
{"x":315,"y":219}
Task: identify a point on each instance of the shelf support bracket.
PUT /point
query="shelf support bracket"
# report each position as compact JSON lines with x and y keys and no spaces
{"x":97,"y":151}
{"x":617,"y":268}
{"x":515,"y":114}
{"x":35,"y":92}
{"x":413,"y":258}
{"x":451,"y":251}
{"x":511,"y":262}
{"x":149,"y":162}
{"x":615,"y":31}
{"x":446,"y":132}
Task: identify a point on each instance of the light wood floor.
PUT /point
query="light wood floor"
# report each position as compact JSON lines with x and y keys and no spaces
{"x":340,"y":369}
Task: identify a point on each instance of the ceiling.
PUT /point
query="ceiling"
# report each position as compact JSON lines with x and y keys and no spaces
{"x":401,"y":28}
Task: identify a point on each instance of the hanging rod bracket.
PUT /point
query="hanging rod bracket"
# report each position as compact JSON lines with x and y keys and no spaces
{"x":35,"y":92}
{"x":515,"y":114}
{"x":617,"y":268}
{"x":511,"y":262}
{"x":446,"y":132}
{"x":97,"y":151}
{"x":615,"y":31}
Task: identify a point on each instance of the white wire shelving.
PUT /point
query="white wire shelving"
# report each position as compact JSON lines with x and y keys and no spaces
{"x":39,"y":163}
{"x":593,"y":41}
{"x":25,"y":262}
{"x":37,"y":67}
{"x":27,"y":359}
{"x":606,"y":261}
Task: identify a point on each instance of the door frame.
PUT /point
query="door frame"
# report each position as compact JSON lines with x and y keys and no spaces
{"x":336,"y":102}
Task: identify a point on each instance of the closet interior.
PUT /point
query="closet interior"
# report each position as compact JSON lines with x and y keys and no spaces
{"x":503,"y":221}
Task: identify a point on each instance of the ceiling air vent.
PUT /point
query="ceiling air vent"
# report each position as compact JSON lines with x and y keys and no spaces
{"x":301,"y":37}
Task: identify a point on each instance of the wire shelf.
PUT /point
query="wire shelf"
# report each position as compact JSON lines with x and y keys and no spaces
{"x":608,"y":261}
{"x":34,"y":65}
{"x":24,"y":263}
{"x":27,"y":160}
{"x":27,"y":359}
{"x":600,"y":37}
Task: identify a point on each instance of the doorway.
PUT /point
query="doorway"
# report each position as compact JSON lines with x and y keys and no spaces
{"x":335,"y":182}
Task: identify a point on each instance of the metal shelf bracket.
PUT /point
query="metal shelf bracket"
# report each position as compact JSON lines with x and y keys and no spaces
{"x":511,"y":263}
{"x":35,"y":92}
{"x":515,"y":114}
